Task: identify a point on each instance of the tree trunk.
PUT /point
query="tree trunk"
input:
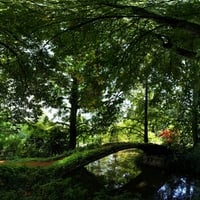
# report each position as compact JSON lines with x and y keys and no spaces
{"x":73,"y":114}
{"x":195,"y":115}
{"x":195,"y":104}
{"x":146,"y":112}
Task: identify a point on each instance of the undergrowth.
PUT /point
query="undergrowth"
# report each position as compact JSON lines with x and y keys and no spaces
{"x":22,"y":183}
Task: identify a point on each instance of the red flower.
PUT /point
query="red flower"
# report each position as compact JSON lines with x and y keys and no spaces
{"x":166,"y":134}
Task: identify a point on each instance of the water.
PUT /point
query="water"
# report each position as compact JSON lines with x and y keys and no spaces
{"x":180,"y":188}
{"x":121,"y":174}
{"x":116,"y":169}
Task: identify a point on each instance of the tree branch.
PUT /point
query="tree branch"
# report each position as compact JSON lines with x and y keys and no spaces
{"x":162,"y":19}
{"x":168,"y":44}
{"x":138,"y":12}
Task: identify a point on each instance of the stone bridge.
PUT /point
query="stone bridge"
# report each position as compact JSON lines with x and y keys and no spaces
{"x":74,"y":162}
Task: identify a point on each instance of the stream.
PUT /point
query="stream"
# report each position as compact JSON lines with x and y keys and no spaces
{"x":120,"y":174}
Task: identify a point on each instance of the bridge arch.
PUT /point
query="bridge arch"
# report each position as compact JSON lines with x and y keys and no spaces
{"x":102,"y":151}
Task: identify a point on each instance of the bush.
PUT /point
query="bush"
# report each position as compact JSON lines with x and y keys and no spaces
{"x":22,"y":183}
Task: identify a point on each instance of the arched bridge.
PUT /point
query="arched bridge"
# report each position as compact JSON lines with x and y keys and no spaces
{"x":85,"y":157}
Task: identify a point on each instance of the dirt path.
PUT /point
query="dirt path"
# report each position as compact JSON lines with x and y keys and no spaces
{"x":39,"y":164}
{"x":29,"y":163}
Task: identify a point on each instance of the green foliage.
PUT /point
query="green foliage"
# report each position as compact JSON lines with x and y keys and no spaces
{"x":11,"y":139}
{"x":60,"y":189}
{"x":24,"y":183}
{"x":109,"y":49}
{"x":44,"y":140}
{"x":38,"y":183}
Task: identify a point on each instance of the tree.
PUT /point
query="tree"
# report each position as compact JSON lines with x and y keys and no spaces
{"x":73,"y":114}
{"x":106,"y":42}
{"x":146,"y":112}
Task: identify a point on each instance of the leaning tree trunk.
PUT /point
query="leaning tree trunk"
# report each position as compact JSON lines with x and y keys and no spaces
{"x":73,"y":114}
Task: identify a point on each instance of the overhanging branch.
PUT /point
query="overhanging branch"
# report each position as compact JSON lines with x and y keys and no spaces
{"x":168,"y":44}
{"x":162,"y":19}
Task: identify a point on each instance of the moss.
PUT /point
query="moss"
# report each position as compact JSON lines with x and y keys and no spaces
{"x":26,"y":183}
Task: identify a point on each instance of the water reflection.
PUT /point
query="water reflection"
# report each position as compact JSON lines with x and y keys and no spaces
{"x":179,"y":188}
{"x":119,"y":172}
{"x":116,"y":169}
